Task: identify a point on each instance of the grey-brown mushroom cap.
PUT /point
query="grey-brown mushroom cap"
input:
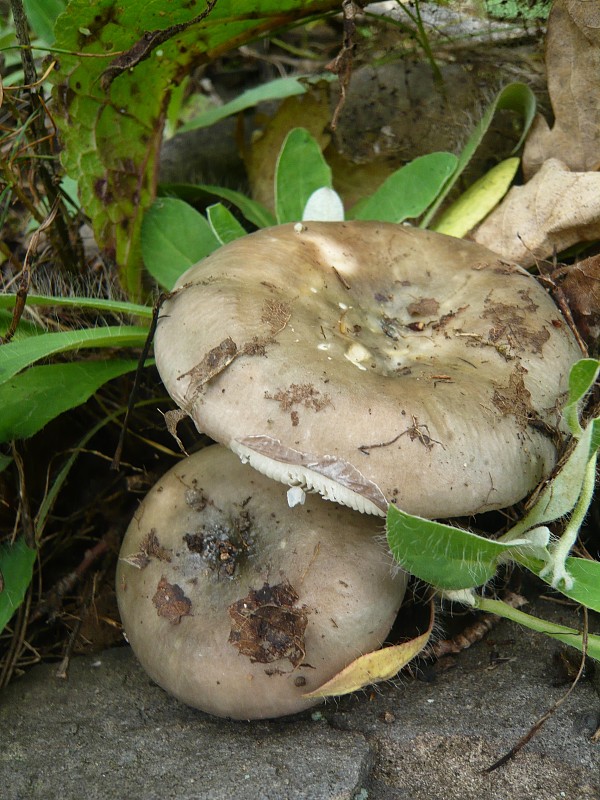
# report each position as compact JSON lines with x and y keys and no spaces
{"x":404,"y":365}
{"x":239,"y":605}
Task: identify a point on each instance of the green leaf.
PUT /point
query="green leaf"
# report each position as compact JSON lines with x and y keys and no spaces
{"x":15,"y":356}
{"x":34,"y":397}
{"x":25,"y":328}
{"x":5,"y":461}
{"x":174,"y":238}
{"x":223,"y":224}
{"x":42,"y":14}
{"x":560,"y":495}
{"x":301,"y":169}
{"x":478,"y":200}
{"x":586,"y":582}
{"x":448,"y":558}
{"x":515,"y":97}
{"x":409,"y":191}
{"x":581,"y":379}
{"x":254,"y":212}
{"x":278,"y":89}
{"x":16,"y":569}
{"x":94,"y":303}
{"x":111,"y":130}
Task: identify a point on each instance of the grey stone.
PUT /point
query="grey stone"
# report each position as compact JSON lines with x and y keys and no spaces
{"x":109,"y":732}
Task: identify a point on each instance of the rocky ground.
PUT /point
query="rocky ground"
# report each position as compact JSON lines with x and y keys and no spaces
{"x":108,"y":733}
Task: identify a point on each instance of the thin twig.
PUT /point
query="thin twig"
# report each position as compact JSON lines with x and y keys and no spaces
{"x":553,"y":708}
{"x":116,"y":462}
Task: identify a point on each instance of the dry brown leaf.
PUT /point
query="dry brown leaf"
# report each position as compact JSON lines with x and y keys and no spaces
{"x":573,"y":68}
{"x":580,"y":284}
{"x":554,"y":210}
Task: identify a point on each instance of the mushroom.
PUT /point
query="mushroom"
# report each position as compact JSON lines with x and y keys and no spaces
{"x":372,"y":363}
{"x":237,"y":604}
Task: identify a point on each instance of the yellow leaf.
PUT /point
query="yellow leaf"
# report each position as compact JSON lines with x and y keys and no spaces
{"x":375,"y":667}
{"x":479,"y":199}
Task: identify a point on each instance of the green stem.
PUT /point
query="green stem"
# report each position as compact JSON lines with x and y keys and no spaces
{"x":564,"y":634}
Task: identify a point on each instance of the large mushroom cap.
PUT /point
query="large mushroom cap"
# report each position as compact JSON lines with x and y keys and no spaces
{"x":374,"y":363}
{"x":237,"y":604}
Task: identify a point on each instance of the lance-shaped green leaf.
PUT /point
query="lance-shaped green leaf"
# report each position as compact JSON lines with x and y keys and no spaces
{"x":34,"y":397}
{"x":92,"y":303}
{"x":16,"y":569}
{"x":254,"y":212}
{"x":514,"y":97}
{"x":409,"y":191}
{"x":561,"y":494}
{"x":223,"y":224}
{"x":278,"y":89}
{"x":174,"y":237}
{"x":15,"y":356}
{"x":300,"y":171}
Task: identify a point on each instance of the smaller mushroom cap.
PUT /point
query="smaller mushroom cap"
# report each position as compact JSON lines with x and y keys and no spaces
{"x":373,"y":363}
{"x":237,"y":604}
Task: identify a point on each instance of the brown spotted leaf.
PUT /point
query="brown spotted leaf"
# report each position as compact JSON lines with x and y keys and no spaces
{"x":111,"y":120}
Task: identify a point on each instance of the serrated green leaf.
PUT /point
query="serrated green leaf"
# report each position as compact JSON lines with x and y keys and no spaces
{"x":278,"y":89}
{"x":16,"y":569}
{"x":112,"y":130}
{"x":223,"y":224}
{"x":478,"y":200}
{"x":15,"y":356}
{"x":34,"y":397}
{"x":174,"y":238}
{"x":409,"y":191}
{"x":514,"y":97}
{"x":301,"y":169}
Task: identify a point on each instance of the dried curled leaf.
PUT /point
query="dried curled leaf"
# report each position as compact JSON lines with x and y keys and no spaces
{"x":573,"y":66}
{"x":554,"y":210}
